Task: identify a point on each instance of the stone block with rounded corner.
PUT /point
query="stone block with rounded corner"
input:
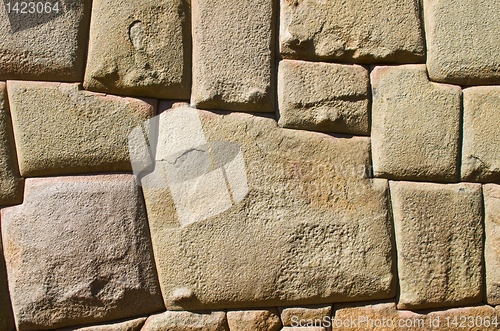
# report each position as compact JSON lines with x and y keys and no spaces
{"x":462,"y":41}
{"x":491,"y":194}
{"x":439,"y":240}
{"x":6,"y":317}
{"x":352,"y":31}
{"x":254,"y":320}
{"x":140,"y":48}
{"x":184,"y":320}
{"x":61,"y":129}
{"x":78,"y":252}
{"x":415,"y":125}
{"x":290,"y":315}
{"x":323,"y":97}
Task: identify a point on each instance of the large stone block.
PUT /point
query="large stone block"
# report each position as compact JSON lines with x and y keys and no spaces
{"x":233,"y":55}
{"x":462,"y":41}
{"x":187,"y":321}
{"x":6,"y":317}
{"x":11,"y":184}
{"x":352,"y":31}
{"x":78,"y":252}
{"x":140,"y":48}
{"x":323,"y":97}
{"x":291,"y":213}
{"x":415,"y":125}
{"x":439,"y":240}
{"x":254,"y":320}
{"x":60,"y":129}
{"x":492,"y":242}
{"x":45,"y":46}
{"x":481,"y":136}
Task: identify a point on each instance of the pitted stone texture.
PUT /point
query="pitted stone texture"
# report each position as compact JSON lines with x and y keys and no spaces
{"x":145,"y":51}
{"x":46,"y":47}
{"x":491,"y":194}
{"x":297,"y":235}
{"x":481,"y":137}
{"x":254,"y":320}
{"x":60,"y":129}
{"x":11,"y":184}
{"x":323,"y":97}
{"x":233,"y":62}
{"x":316,"y":312}
{"x":415,"y":125}
{"x":439,"y":239}
{"x":78,"y":252}
{"x":187,"y":321}
{"x":129,"y":325}
{"x":352,"y":31}
{"x":6,"y":318}
{"x":462,"y":41}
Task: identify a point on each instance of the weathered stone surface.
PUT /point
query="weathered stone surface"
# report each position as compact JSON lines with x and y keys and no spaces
{"x":6,"y":318}
{"x":78,"y":252}
{"x":439,"y":239}
{"x":462,"y":41}
{"x":129,"y":325}
{"x":291,"y":328}
{"x":187,"y":321}
{"x":415,"y":125}
{"x":301,"y":212}
{"x":11,"y":184}
{"x":140,"y":48}
{"x":44,"y":46}
{"x":491,"y":194}
{"x":254,"y":320}
{"x":361,"y":31}
{"x":233,"y":47}
{"x":323,"y":97}
{"x":60,"y":129}
{"x":316,"y":312}
{"x":481,"y":137}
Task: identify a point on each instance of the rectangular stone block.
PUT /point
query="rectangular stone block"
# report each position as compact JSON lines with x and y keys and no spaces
{"x":140,"y":48}
{"x":44,"y":46}
{"x":439,"y":240}
{"x":323,"y":97}
{"x":491,"y":194}
{"x":60,"y":129}
{"x":128,"y":325}
{"x":462,"y":41}
{"x":6,"y":317}
{"x":184,"y":320}
{"x":290,"y":316}
{"x":254,"y":320}
{"x":352,"y":31}
{"x":233,"y":55}
{"x":78,"y":252}
{"x":415,"y":125}
{"x":481,"y":136}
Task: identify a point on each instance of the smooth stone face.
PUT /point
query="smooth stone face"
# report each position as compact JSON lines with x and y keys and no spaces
{"x":78,"y":252}
{"x":462,"y":41}
{"x":492,"y":242}
{"x":323,"y":97}
{"x":131,"y":325}
{"x":254,"y":320}
{"x":187,"y":321}
{"x":300,"y":211}
{"x":439,"y":239}
{"x":60,"y":129}
{"x":233,"y":47}
{"x":291,"y":315}
{"x":11,"y":184}
{"x":415,"y":125}
{"x":49,"y":46}
{"x":481,"y":137}
{"x":145,"y":51}
{"x":6,"y":317}
{"x":352,"y":31}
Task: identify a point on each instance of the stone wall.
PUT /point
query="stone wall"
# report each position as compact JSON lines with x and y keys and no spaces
{"x":250,"y":165}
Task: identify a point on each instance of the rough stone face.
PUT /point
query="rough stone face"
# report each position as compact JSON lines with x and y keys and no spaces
{"x":130,"y":325}
{"x":462,"y":41}
{"x":78,"y":252}
{"x":254,"y":320}
{"x":415,"y":125}
{"x":352,"y":31}
{"x":6,"y":318}
{"x":290,"y":328}
{"x":481,"y":137}
{"x":187,"y":321}
{"x":11,"y":184}
{"x":492,"y":245}
{"x":140,"y":48}
{"x":323,"y":97}
{"x":233,"y":55}
{"x":60,"y":129}
{"x":439,"y":239}
{"x":292,"y":227}
{"x":45,"y":46}
{"x":316,"y":312}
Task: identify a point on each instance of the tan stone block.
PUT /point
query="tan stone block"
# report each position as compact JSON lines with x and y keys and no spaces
{"x":128,"y":325}
{"x":187,"y":321}
{"x":491,"y":194}
{"x":361,"y":31}
{"x":78,"y":252}
{"x":6,"y":317}
{"x":462,"y":41}
{"x":315,"y":312}
{"x":140,"y":48}
{"x":323,"y":97}
{"x":439,"y":240}
{"x":60,"y":129}
{"x":233,"y":55}
{"x":291,"y":328}
{"x":415,"y":125}
{"x":254,"y":320}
